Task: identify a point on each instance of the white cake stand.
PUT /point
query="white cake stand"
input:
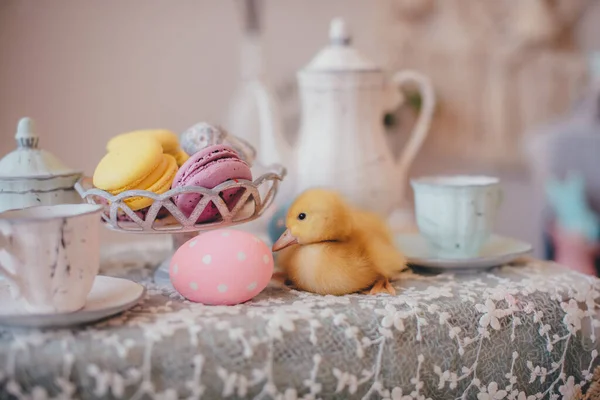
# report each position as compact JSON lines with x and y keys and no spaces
{"x":258,"y":195}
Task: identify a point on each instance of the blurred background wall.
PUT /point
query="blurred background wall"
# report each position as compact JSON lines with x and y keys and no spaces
{"x":89,"y":70}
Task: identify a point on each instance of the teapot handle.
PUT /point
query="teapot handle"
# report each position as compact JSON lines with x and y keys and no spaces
{"x":421,"y":128}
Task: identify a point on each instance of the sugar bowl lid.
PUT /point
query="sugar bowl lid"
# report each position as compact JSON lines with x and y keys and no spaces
{"x":339,"y":55}
{"x":28,"y":160}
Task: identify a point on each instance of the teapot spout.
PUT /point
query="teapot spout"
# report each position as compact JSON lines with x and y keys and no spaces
{"x":273,"y":147}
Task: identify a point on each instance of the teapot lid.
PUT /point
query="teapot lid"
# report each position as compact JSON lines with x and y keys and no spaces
{"x":339,"y":55}
{"x":28,"y":160}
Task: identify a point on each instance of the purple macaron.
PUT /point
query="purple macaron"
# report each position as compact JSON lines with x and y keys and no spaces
{"x":208,"y":168}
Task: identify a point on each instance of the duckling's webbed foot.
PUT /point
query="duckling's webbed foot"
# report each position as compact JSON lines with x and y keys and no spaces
{"x":382,"y":285}
{"x":281,"y":279}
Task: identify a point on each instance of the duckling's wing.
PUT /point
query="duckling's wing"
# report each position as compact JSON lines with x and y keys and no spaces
{"x":372,"y":225}
{"x":377,"y":238}
{"x":386,"y":259}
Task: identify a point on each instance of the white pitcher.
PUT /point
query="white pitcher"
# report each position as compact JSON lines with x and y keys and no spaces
{"x":342,"y":143}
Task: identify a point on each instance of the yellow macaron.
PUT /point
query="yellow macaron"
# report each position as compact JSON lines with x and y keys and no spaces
{"x":167,"y":139}
{"x":127,"y":166}
{"x":159,"y":181}
{"x":181,"y":157}
{"x":136,"y":165}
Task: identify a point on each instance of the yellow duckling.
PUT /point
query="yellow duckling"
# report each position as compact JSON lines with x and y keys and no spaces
{"x":330,"y":247}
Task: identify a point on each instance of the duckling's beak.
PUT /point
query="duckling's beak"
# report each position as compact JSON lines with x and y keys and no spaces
{"x":284,"y":241}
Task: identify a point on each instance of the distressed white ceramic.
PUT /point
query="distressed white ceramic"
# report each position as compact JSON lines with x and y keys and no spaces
{"x":108,"y":296}
{"x":51,"y":255}
{"x":498,"y":250}
{"x":342,"y":143}
{"x":30,"y":176}
{"x":456,"y":214}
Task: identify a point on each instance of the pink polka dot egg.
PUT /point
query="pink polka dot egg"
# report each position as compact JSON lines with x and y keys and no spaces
{"x":221,"y":267}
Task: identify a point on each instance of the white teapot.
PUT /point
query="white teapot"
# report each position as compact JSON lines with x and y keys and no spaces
{"x":342,"y":143}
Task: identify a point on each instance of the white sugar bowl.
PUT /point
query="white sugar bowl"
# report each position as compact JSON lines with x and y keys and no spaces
{"x":30,"y":176}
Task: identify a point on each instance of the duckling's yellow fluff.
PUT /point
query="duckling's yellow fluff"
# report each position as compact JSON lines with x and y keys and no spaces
{"x":330,"y":247}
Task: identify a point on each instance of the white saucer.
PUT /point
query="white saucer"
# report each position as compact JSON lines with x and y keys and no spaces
{"x":497,"y":251}
{"x":109,"y":296}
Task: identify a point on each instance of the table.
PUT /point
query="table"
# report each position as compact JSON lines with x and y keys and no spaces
{"x":514,"y":332}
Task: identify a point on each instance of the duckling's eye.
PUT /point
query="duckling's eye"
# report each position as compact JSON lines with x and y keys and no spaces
{"x":301,"y":216}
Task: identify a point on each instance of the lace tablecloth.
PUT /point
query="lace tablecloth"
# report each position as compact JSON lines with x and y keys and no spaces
{"x":518,"y":332}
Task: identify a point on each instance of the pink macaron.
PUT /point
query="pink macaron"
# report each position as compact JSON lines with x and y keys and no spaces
{"x":208,"y":168}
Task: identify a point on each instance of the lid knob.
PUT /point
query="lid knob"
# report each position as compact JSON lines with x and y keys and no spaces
{"x":339,"y":33}
{"x":26,"y":137}
{"x":339,"y":55}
